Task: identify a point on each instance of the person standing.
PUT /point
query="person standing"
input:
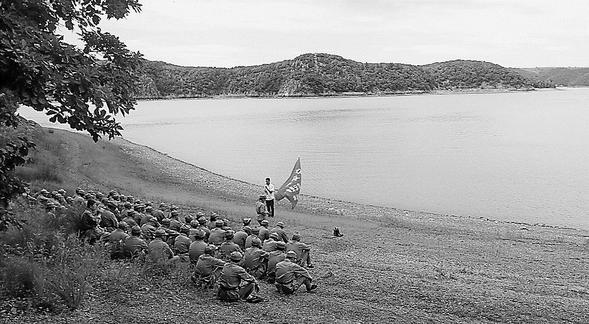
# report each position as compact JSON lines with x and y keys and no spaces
{"x":269,"y":191}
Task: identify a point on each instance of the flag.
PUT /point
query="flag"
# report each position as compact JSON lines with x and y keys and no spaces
{"x":291,"y":187}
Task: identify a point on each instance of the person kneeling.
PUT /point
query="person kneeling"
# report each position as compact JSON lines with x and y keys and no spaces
{"x":235,"y":283}
{"x":290,"y":276}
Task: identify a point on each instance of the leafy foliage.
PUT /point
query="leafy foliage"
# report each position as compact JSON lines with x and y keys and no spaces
{"x":82,"y":87}
{"x":324,"y":74}
{"x":463,"y":74}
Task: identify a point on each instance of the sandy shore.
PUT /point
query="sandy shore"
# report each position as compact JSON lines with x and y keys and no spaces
{"x":391,"y":265}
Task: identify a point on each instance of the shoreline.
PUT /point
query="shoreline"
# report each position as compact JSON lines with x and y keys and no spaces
{"x":357,"y":94}
{"x":391,"y":265}
{"x":326,"y":201}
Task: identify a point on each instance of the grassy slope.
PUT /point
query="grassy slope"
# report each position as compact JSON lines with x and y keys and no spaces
{"x":413,"y":267}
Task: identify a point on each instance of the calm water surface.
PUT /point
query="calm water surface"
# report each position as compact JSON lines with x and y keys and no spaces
{"x":510,"y":156}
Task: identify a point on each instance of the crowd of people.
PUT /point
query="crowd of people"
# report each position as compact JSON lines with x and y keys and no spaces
{"x":231,"y":261}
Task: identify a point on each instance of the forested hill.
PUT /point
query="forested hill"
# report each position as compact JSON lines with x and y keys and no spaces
{"x":325,"y":74}
{"x":560,"y":76}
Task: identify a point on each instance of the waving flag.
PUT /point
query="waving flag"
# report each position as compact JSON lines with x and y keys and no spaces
{"x":292,"y":187}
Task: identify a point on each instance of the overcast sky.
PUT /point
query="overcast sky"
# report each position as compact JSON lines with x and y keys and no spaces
{"x":224,"y":33}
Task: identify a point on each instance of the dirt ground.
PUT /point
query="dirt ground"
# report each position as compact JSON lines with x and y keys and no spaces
{"x":390,"y":266}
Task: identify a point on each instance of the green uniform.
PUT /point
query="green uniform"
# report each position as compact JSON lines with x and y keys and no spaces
{"x":270,"y":245}
{"x":226,"y":248}
{"x":235,"y":283}
{"x":208,"y":265}
{"x":255,"y":261}
{"x":273,"y":258}
{"x":148,"y":231}
{"x":217,"y":236}
{"x":263,"y":234}
{"x":290,"y":276}
{"x":281,"y":233}
{"x":182,"y":244}
{"x":302,"y":250}
{"x":197,"y":248}
{"x":239,"y":239}
{"x":159,"y":251}
{"x":134,"y":246}
{"x":249,"y":239}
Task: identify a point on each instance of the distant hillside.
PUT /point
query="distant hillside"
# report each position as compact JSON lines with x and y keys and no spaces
{"x":560,"y":76}
{"x":325,"y":74}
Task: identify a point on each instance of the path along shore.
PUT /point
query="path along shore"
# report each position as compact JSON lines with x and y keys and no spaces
{"x":390,"y":264}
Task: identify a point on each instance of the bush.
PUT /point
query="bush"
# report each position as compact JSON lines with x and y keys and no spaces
{"x":20,"y":276}
{"x":68,"y":284}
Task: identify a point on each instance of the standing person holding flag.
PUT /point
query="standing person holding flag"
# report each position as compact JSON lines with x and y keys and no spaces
{"x":269,"y":191}
{"x":291,"y":187}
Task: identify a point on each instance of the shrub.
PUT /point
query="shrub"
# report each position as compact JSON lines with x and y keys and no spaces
{"x":20,"y":276}
{"x":68,"y":284}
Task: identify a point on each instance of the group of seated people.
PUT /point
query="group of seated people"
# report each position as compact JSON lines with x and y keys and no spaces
{"x":233,"y":261}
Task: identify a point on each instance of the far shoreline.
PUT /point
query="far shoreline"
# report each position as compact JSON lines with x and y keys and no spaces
{"x":358,"y":94}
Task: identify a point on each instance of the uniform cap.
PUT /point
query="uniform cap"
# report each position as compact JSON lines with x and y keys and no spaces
{"x":280,"y":224}
{"x":280,"y":245}
{"x":247,"y":229}
{"x":185,"y":229}
{"x":202,"y":220}
{"x":291,"y":255}
{"x":199,"y":235}
{"x":235,"y":256}
{"x":229,"y":235}
{"x":274,"y":236}
{"x":262,"y":197}
{"x":174,"y":213}
{"x":210,"y":248}
{"x":135,"y":230}
{"x":166,"y":221}
{"x":194,"y":224}
{"x":246,"y":221}
{"x":264,"y":222}
{"x":296,"y":237}
{"x":160,"y":232}
{"x":148,"y":208}
{"x":219,"y":223}
{"x":256,"y":242}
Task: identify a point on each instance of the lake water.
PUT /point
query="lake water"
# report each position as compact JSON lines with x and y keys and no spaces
{"x":508,"y":156}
